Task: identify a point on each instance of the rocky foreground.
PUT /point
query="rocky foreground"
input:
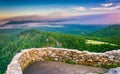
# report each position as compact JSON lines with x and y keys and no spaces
{"x":50,"y":67}
{"x":26,"y":57}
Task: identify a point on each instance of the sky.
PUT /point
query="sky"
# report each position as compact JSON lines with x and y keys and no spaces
{"x":74,"y":11}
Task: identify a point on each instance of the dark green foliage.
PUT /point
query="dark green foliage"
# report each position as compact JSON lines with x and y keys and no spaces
{"x":110,"y":66}
{"x":110,"y":34}
{"x":10,"y":44}
{"x":110,"y":31}
{"x":70,"y":61}
{"x":100,"y":47}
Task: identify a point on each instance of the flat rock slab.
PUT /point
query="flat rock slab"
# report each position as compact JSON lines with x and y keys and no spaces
{"x":50,"y":67}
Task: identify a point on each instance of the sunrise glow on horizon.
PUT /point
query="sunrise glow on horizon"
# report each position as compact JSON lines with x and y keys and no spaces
{"x":75,"y":12}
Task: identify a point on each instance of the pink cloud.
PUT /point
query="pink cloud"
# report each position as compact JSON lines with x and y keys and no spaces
{"x":111,"y":18}
{"x":49,"y":17}
{"x":114,"y":18}
{"x":3,"y":22}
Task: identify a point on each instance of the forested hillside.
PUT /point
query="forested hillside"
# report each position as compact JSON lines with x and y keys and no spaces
{"x":10,"y":44}
{"x":110,"y":34}
{"x":74,"y":29}
{"x":110,"y":31}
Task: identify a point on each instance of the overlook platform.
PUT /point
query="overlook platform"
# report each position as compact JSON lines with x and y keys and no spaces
{"x":33,"y":60}
{"x":51,"y":67}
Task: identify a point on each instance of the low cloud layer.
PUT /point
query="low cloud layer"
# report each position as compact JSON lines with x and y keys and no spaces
{"x":38,"y":21}
{"x":3,"y":22}
{"x":28,"y":25}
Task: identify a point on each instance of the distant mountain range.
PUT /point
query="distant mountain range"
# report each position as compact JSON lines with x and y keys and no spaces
{"x":75,"y":29}
{"x":108,"y":19}
{"x":14,"y":40}
{"x":107,"y":33}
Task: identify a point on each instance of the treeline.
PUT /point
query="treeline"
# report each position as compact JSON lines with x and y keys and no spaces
{"x":10,"y":44}
{"x":110,"y":31}
{"x":12,"y":31}
{"x":110,"y":34}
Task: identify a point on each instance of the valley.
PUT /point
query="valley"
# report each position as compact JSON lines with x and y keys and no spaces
{"x":91,"y":39}
{"x":98,"y":42}
{"x":90,"y":28}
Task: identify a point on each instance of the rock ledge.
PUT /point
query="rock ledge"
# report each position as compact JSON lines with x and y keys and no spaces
{"x":21,"y":60}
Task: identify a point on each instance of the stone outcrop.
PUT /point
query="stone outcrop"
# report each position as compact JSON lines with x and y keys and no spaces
{"x":114,"y":71}
{"x":27,"y":56}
